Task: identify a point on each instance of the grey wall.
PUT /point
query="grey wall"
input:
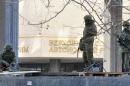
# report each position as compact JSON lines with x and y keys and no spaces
{"x":65,"y":81}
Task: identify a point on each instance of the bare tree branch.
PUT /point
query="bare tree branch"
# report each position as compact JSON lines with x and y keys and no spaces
{"x":45,"y":21}
{"x":91,"y":15}
{"x":96,"y":15}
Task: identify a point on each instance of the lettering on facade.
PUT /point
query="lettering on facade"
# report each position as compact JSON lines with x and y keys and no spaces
{"x":24,"y":49}
{"x":71,"y":46}
{"x":63,"y":46}
{"x":98,"y":48}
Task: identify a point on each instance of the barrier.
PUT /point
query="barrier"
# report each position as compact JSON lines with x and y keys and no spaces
{"x":65,"y":81}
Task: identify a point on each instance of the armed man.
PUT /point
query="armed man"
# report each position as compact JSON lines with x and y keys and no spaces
{"x":124,"y":41}
{"x":7,"y":58}
{"x":86,"y":42}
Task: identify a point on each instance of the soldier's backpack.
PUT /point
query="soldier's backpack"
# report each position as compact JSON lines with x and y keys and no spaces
{"x":81,"y":44}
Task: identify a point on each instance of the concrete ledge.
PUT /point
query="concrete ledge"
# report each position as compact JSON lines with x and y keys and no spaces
{"x":65,"y":81}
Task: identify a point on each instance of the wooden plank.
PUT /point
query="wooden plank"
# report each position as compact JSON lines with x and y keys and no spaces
{"x":104,"y":74}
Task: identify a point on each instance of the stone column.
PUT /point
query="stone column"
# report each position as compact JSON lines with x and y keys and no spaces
{"x":112,"y":49}
{"x":9,"y":24}
{"x":2,"y":24}
{"x":54,"y":65}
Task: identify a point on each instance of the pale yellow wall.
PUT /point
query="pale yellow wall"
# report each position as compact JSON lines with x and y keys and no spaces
{"x":67,"y":24}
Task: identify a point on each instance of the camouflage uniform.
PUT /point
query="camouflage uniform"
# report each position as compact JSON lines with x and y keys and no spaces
{"x":8,"y":57}
{"x":89,"y":32}
{"x":124,"y":41}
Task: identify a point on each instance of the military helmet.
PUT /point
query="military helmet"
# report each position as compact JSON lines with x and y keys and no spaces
{"x":126,"y":23}
{"x":8,"y":47}
{"x":88,"y":17}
